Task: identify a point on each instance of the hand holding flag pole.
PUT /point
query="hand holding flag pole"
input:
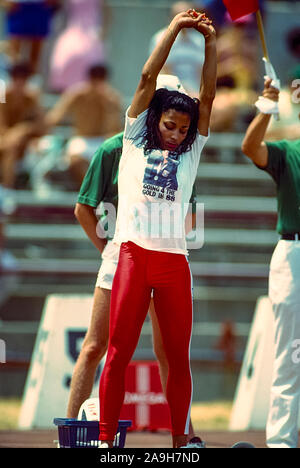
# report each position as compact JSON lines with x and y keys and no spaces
{"x":262,"y":103}
{"x":237,"y":9}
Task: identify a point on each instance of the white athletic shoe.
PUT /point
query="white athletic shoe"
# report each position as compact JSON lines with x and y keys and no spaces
{"x":103,"y":445}
{"x":195,"y":442}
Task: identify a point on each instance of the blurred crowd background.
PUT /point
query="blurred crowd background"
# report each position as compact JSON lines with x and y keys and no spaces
{"x":68,"y":70}
{"x":75,"y":64}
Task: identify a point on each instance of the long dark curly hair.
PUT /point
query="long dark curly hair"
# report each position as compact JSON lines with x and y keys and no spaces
{"x":162,"y":101}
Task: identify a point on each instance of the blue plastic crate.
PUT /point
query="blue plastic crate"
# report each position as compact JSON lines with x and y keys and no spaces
{"x":73,"y":433}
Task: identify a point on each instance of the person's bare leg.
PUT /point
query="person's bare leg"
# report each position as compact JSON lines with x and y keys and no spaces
{"x":35,"y":53}
{"x":93,"y":349}
{"x":162,"y":361}
{"x":180,"y":440}
{"x":14,"y":143}
{"x":9,"y":161}
{"x":15,"y":45}
{"x":78,"y":167}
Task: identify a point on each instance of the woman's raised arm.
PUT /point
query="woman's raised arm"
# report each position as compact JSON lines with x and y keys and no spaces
{"x":209,"y":76}
{"x":147,"y":84}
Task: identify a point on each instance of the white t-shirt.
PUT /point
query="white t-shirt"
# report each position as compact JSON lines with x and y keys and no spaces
{"x":154,"y":192}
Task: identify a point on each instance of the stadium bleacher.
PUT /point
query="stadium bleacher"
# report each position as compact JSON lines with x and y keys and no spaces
{"x":230,"y":271}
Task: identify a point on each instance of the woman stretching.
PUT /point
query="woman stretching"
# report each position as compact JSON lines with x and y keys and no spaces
{"x":160,"y":124}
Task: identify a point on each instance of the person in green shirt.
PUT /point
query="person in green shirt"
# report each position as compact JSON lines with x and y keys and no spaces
{"x":100,"y":188}
{"x":281,"y":160}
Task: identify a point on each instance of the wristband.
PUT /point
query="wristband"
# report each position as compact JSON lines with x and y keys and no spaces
{"x":267,"y":106}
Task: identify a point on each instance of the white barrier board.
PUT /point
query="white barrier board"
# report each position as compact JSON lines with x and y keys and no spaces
{"x":252,"y":397}
{"x":63,"y":325}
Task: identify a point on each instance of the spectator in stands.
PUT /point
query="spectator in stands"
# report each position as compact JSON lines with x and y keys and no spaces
{"x":281,"y":160}
{"x":157,"y":122}
{"x":21,"y":120}
{"x":293,"y":42}
{"x":237,"y":46}
{"x":215,"y":9}
{"x":96,"y":112}
{"x":28,"y":24}
{"x":187,"y":55}
{"x":227,"y":343}
{"x":86,"y":27}
{"x":233,"y":107}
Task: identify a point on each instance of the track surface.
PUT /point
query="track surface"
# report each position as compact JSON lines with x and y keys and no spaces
{"x":213,"y":439}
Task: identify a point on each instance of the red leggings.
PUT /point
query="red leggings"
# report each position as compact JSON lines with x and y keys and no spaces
{"x":138,"y":272}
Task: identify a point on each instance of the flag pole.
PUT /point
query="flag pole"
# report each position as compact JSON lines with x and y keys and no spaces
{"x":268,"y":66}
{"x":262,"y":34}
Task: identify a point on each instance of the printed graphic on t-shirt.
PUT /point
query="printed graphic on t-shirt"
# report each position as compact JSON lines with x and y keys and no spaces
{"x":160,"y":177}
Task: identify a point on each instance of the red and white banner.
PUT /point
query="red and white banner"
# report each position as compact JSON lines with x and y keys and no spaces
{"x":239,"y":8}
{"x":144,"y":403}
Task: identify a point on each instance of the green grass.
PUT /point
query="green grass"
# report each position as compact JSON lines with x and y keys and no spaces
{"x":213,"y":415}
{"x":205,"y":415}
{"x":9,"y":413}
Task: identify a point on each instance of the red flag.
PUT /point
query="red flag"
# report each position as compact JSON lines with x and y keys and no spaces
{"x":239,"y":8}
